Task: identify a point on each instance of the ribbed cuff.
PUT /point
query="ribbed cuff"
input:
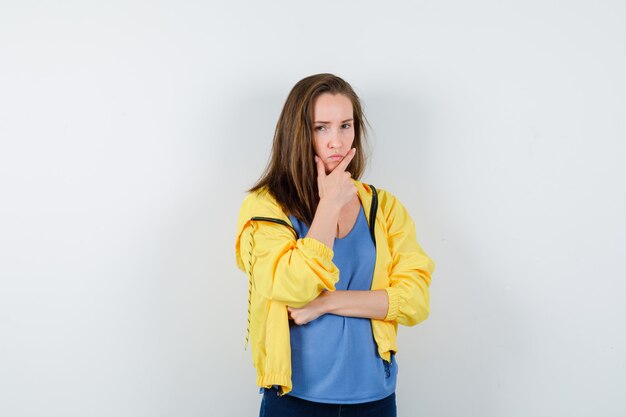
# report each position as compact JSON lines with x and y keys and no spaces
{"x":318,"y":247}
{"x":267,"y":381}
{"x":393,"y":295}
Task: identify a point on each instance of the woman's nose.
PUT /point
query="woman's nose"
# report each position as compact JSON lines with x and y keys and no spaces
{"x":334,"y":141}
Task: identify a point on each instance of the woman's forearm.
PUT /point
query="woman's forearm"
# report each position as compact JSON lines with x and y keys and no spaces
{"x":366,"y":304}
{"x":324,"y":224}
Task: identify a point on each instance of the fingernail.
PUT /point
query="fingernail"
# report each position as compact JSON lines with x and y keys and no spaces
{"x":316,"y":158}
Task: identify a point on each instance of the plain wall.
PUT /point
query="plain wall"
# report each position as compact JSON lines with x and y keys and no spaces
{"x":129,"y":132}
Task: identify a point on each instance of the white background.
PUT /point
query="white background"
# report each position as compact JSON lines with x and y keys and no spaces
{"x":129,"y":132}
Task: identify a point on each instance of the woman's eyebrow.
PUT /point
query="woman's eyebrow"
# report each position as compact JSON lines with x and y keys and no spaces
{"x":344,"y":121}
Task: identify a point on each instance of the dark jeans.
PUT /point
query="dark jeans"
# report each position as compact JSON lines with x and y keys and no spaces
{"x":287,"y":406}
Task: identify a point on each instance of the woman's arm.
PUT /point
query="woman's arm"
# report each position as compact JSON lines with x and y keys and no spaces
{"x":410,"y":274}
{"x":336,"y":190}
{"x":365,"y":304}
{"x":282,"y":268}
{"x":405,"y":300}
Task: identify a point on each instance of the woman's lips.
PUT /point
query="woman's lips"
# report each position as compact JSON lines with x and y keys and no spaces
{"x":335,"y":157}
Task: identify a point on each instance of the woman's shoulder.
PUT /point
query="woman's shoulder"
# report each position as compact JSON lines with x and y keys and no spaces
{"x":385,"y":198}
{"x":260,"y":203}
{"x":257,"y":205}
{"x":259,"y":196}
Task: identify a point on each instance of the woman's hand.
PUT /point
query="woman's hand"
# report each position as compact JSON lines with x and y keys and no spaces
{"x":310,"y":311}
{"x":336,"y":190}
{"x":336,"y":187}
{"x":368,"y":304}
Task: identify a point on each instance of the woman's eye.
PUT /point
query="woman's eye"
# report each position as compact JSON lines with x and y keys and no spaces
{"x":346,"y":126}
{"x":320,"y":128}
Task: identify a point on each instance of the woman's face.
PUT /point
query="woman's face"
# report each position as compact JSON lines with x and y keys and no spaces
{"x":333,"y":128}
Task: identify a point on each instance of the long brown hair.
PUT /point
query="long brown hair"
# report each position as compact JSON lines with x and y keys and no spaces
{"x":291,"y":173}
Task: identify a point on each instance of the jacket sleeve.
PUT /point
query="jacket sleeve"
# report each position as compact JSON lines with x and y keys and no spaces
{"x":411,"y":269}
{"x":282,"y":268}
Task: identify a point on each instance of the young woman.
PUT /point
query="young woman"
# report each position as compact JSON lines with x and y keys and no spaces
{"x":333,"y":264}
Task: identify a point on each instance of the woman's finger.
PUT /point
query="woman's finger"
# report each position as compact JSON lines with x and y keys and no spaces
{"x":321,"y":171}
{"x":346,"y":160}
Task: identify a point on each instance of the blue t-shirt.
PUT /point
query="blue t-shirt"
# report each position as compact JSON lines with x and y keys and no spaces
{"x":334,"y":359}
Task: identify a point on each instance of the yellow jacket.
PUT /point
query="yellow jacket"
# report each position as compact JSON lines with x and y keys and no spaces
{"x":286,"y":271}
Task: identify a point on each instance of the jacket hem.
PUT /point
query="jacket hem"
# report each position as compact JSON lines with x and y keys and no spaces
{"x":282,"y":380}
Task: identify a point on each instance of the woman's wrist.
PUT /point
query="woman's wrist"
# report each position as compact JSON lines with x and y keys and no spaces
{"x":324,"y":225}
{"x":328,"y":206}
{"x":325,"y":302}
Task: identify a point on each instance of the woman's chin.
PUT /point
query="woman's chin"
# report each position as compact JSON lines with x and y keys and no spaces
{"x":330,"y":166}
